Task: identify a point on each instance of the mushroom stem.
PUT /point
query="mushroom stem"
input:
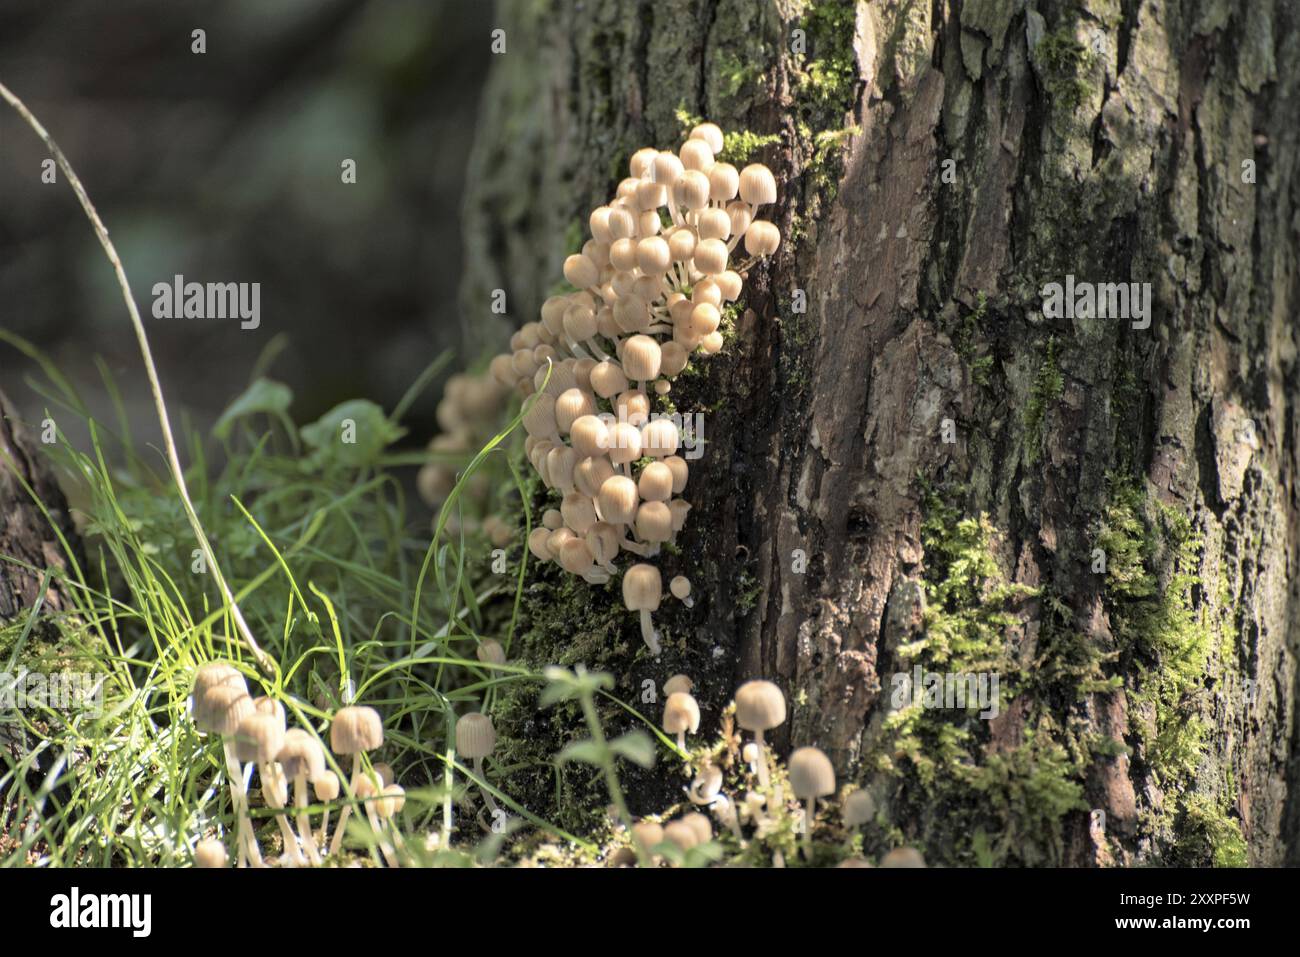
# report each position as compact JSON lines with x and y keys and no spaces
{"x":681,"y":742}
{"x":810,"y":810}
{"x":239,"y":798}
{"x":763,"y":779}
{"x":273,"y":801}
{"x":648,"y":633}
{"x":384,"y":847}
{"x":323,"y":833}
{"x":482,"y":779}
{"x":347,"y":808}
{"x":636,"y":548}
{"x":304,"y":819}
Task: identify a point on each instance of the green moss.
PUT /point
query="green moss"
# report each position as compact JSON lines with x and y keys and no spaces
{"x":1065,"y":63}
{"x":1208,"y":832}
{"x":977,"y":806}
{"x":1048,"y":384}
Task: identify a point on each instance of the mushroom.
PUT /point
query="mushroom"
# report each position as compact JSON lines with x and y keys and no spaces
{"x":760,"y":706}
{"x":648,"y":834}
{"x":707,"y":785}
{"x":490,"y":652}
{"x":681,"y":714}
{"x":681,"y":833}
{"x":903,"y":857}
{"x":700,"y":824}
{"x":326,"y":788}
{"x":220,"y":702}
{"x":680,"y":586}
{"x":858,"y":809}
{"x":811,"y":776}
{"x":476,"y":738}
{"x":642,"y":587}
{"x":210,"y":853}
{"x":678,"y":683}
{"x":303,"y":759}
{"x":258,"y":740}
{"x":354,"y":730}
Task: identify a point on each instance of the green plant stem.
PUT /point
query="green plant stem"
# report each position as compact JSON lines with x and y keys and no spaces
{"x":264,"y":661}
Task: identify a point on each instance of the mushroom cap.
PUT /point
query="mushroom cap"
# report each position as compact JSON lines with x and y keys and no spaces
{"x":757,"y":185}
{"x":700,"y":824}
{"x":221,"y":709}
{"x":680,"y":586}
{"x":811,"y":773}
{"x":682,"y":834}
{"x":681,"y":713}
{"x":210,"y":853}
{"x":642,"y":355}
{"x":490,"y":652}
{"x":648,"y":833}
{"x":325,"y":786}
{"x":854,"y":862}
{"x":475,"y":735}
{"x":301,"y":754}
{"x":710,"y":133}
{"x":760,"y":706}
{"x":618,"y":500}
{"x":903,"y":857}
{"x":265,"y":705}
{"x":858,"y":809}
{"x":654,"y":522}
{"x":355,"y":729}
{"x":259,"y":738}
{"x":392,"y":801}
{"x":212,"y":673}
{"x":678,"y":683}
{"x":642,"y":587}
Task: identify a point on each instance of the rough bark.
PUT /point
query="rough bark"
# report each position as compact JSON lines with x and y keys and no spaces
{"x":1102,"y":138}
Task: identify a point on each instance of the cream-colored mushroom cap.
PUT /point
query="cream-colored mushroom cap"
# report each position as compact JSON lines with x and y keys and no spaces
{"x":903,"y":857}
{"x":858,"y":809}
{"x":700,"y":824}
{"x":475,"y":735}
{"x":301,"y":754}
{"x":678,"y":683}
{"x":222,"y":708}
{"x":259,"y":738}
{"x":681,"y":713}
{"x":355,"y":729}
{"x":325,"y":786}
{"x":760,"y":706}
{"x":210,"y":853}
{"x":642,"y":588}
{"x":811,"y":773}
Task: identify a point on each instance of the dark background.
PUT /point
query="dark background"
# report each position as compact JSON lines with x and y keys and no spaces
{"x":225,"y":167}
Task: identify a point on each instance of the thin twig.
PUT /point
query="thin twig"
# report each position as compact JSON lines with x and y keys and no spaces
{"x":263,"y":660}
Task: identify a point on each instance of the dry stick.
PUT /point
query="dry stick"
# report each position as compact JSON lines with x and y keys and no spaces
{"x":263,"y":660}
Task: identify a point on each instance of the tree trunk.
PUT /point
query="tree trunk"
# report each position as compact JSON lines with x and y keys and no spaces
{"x":914,"y":462}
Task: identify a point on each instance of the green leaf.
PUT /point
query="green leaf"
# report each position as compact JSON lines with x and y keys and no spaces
{"x":635,"y":746}
{"x":264,"y":395}
{"x":352,"y":434}
{"x":586,"y":751}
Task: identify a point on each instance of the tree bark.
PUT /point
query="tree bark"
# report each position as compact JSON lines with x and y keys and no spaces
{"x":925,"y":468}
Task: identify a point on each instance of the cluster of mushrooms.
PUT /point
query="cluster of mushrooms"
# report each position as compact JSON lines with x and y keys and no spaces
{"x":468,"y":415}
{"x":253,"y":734}
{"x":649,"y":289}
{"x":760,"y":706}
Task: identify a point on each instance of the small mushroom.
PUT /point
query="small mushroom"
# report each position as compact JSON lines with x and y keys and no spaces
{"x":303,"y":760}
{"x":903,"y":857}
{"x":678,"y":683}
{"x":760,"y":706}
{"x":210,"y":853}
{"x":490,"y":652}
{"x":354,"y":730}
{"x":219,"y":703}
{"x":681,"y":714}
{"x":858,"y":809}
{"x":326,"y":788}
{"x":476,"y":738}
{"x":811,"y":776}
{"x":642,"y":588}
{"x":680,"y":586}
{"x":258,"y":741}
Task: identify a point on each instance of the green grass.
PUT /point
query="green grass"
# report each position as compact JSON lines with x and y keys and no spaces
{"x":350,"y":599}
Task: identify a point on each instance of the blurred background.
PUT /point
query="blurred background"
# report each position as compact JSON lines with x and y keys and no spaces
{"x":225,"y":166}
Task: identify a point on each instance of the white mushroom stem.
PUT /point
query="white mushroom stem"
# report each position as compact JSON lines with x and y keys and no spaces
{"x":248,"y":848}
{"x":384,"y":847}
{"x":323,"y":833}
{"x":636,"y":548}
{"x":763,"y":778}
{"x":810,"y":809}
{"x":272,"y":798}
{"x":482,"y":786}
{"x":652,"y":641}
{"x":594,"y":346}
{"x":341,"y":826}
{"x":596,"y":576}
{"x":304,"y":819}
